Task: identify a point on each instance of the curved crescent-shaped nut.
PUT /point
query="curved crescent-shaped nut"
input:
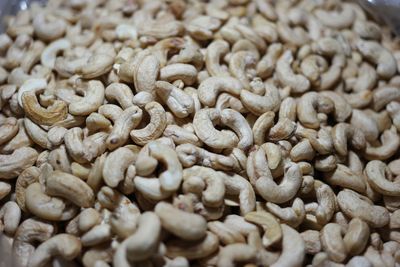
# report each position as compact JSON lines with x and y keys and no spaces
{"x":272,"y":228}
{"x":257,"y":104}
{"x":215,"y":51}
{"x":326,"y":203}
{"x":336,"y":20}
{"x":5,"y":189}
{"x":266,"y":65}
{"x":12,"y":165}
{"x":37,"y":134}
{"x":308,"y":107}
{"x":178,"y":101}
{"x":383,"y":58}
{"x":342,"y":133}
{"x":65,"y":246}
{"x":49,"y":54}
{"x":93,"y":99}
{"x":356,"y":238}
{"x":8,"y":129}
{"x":346,"y":178}
{"x":376,"y":172}
{"x":232,"y":253}
{"x":150,"y":188}
{"x":116,"y":164}
{"x":181,"y":135}
{"x":193,"y":250}
{"x":342,"y":110}
{"x":45,"y":116}
{"x":10,"y":215}
{"x":238,"y":63}
{"x":211,"y":87}
{"x":213,"y":195}
{"x":121,"y":93}
{"x":33,"y":85}
{"x":262,"y":126}
{"x":48,"y":27}
{"x":156,"y":126}
{"x":297,"y":82}
{"x":28,"y":233}
{"x":355,"y":205}
{"x":234,"y":120}
{"x":237,"y":185}
{"x":203,"y":123}
{"x":332,"y":242}
{"x":366,"y":124}
{"x":293,"y":249}
{"x":145,"y":241}
{"x":171,"y":178}
{"x":283,"y":192}
{"x":179,"y":71}
{"x":70,"y":187}
{"x":96,"y":65}
{"x":390,"y":143}
{"x":44,"y":206}
{"x":128,"y":120}
{"x":188,"y":226}
{"x":292,"y":216}
{"x":146,"y":73}
{"x":384,"y":95}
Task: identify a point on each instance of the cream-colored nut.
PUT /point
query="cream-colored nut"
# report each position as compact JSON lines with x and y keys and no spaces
{"x":311,"y":241}
{"x":302,"y":151}
{"x":292,"y":216}
{"x":184,"y":72}
{"x":308,"y":107}
{"x":44,"y":206}
{"x":29,"y":232}
{"x":87,"y":219}
{"x":27,"y":177}
{"x":93,"y":99}
{"x":337,"y":20}
{"x":203,"y":123}
{"x":270,"y":191}
{"x":327,"y":46}
{"x":145,"y":241}
{"x":238,"y":185}
{"x":366,"y":124}
{"x":384,"y":95}
{"x":5,"y":189}
{"x":70,"y":187}
{"x":226,"y":100}
{"x":37,"y":134}
{"x":312,"y":66}
{"x":116,"y":165}
{"x":367,"y":29}
{"x":285,"y":74}
{"x":96,"y":65}
{"x":342,"y":110}
{"x":238,"y":123}
{"x":129,"y":119}
{"x":179,"y":102}
{"x":181,"y":135}
{"x":13,"y":164}
{"x":390,"y":142}
{"x":214,"y":191}
{"x":56,"y":135}
{"x":142,"y":98}
{"x":210,"y":88}
{"x":262,"y":126}
{"x":150,"y":188}
{"x":8,"y":129}
{"x":226,"y":234}
{"x":282,"y":130}
{"x":355,"y":205}
{"x":239,"y":62}
{"x":146,"y":74}
{"x":182,"y":224}
{"x":48,"y":27}
{"x":120,"y":93}
{"x":10,"y":215}
{"x":59,"y":160}
{"x":272,"y":229}
{"x":48,"y":57}
{"x":343,"y":176}
{"x":156,"y":126}
{"x":62,"y":245}
{"x":21,"y":139}
{"x":367,"y":78}
{"x":356,"y":238}
{"x":215,"y":51}
{"x":232,"y":253}
{"x":258,"y":104}
{"x":193,"y":250}
{"x":377,"y":172}
{"x":332,"y":242}
{"x":296,"y":36}
{"x":96,"y":235}
{"x":293,"y":248}
{"x":342,"y":132}
{"x":266,"y":65}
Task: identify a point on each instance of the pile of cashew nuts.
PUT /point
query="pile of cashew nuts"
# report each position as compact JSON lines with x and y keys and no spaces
{"x":177,"y":133}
